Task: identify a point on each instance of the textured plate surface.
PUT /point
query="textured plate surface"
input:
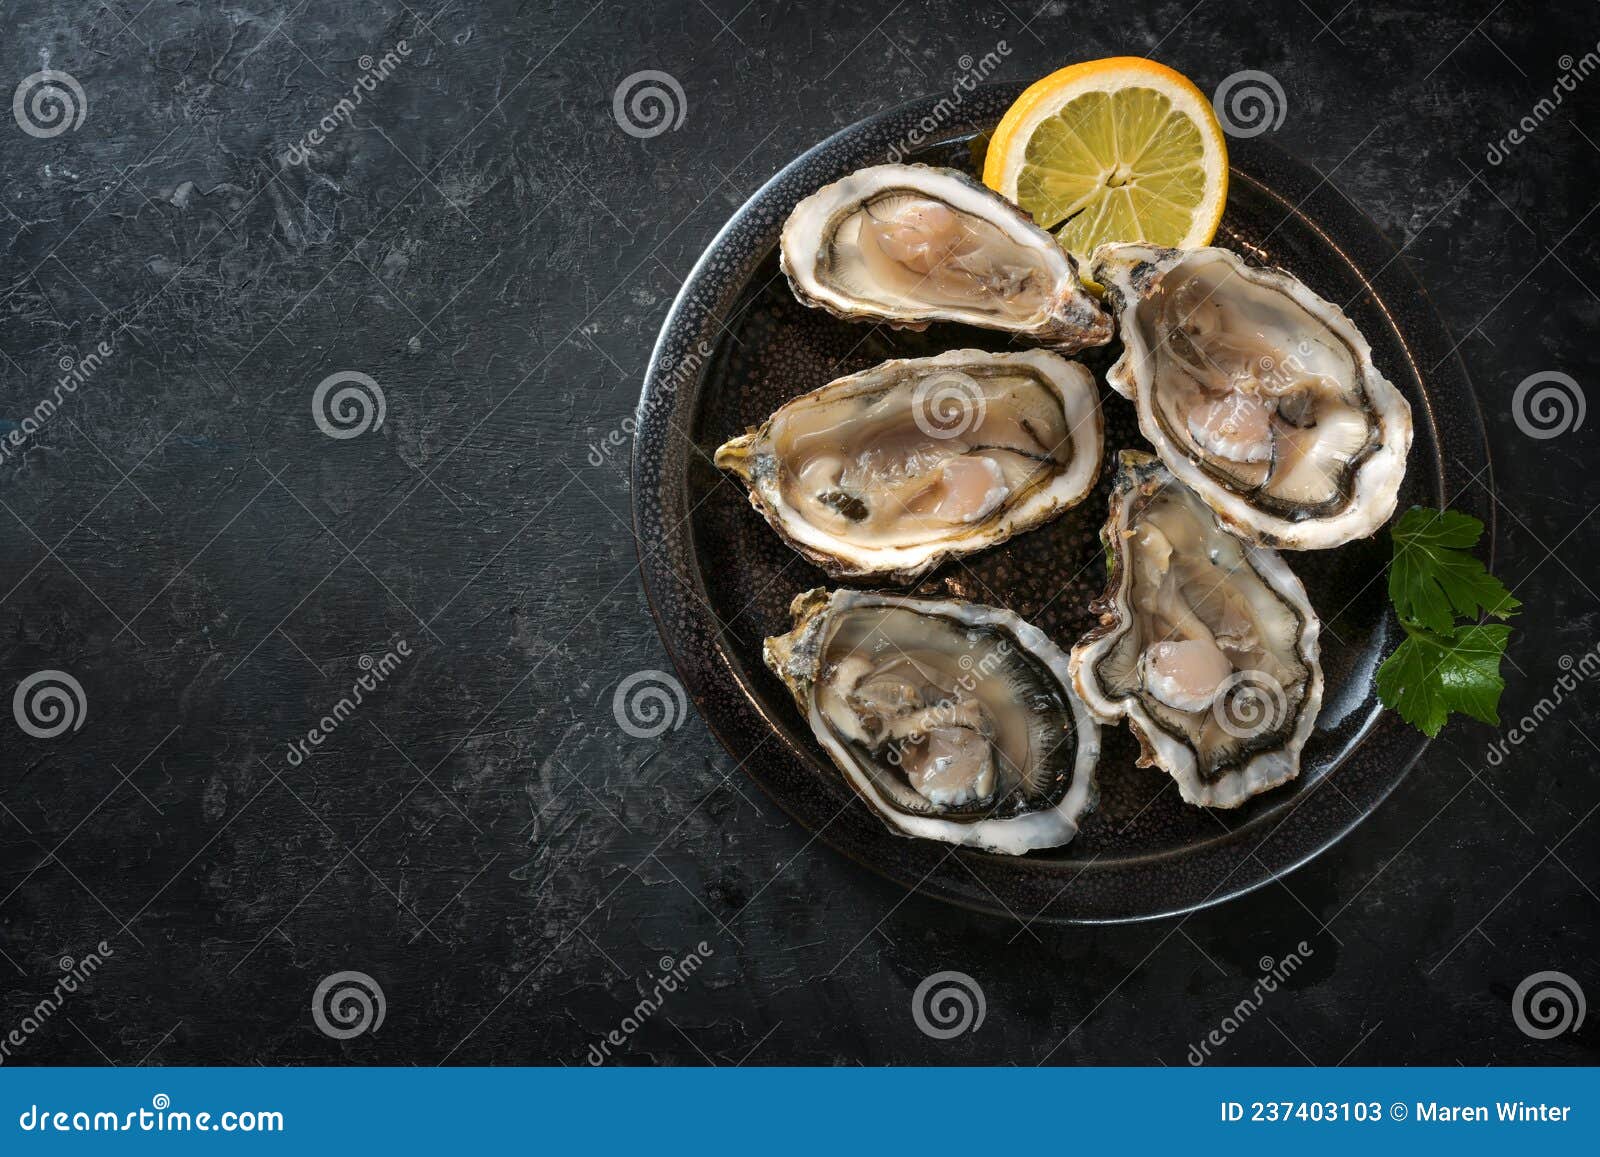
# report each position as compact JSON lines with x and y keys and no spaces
{"x":737,"y":345}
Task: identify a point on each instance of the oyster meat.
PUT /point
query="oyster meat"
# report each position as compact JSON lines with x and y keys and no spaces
{"x":1206,"y":644}
{"x":909,"y":244}
{"x":954,"y":722}
{"x":1257,"y":393}
{"x":893,"y":470}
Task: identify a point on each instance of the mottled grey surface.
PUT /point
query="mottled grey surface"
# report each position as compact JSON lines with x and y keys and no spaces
{"x":480,"y":836}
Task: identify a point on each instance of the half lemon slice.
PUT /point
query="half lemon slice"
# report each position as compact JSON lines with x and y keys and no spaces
{"x":1121,"y":149}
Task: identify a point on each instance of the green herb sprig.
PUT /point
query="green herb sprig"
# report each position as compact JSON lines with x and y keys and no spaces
{"x":1450,"y":659}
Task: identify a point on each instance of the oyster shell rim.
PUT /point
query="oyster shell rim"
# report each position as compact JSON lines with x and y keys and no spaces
{"x":909,"y":563}
{"x":1159,"y":748}
{"x":1130,"y":271}
{"x":793,"y":657}
{"x":1073,"y":320}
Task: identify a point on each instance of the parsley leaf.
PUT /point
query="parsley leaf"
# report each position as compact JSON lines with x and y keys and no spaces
{"x":1430,"y":675}
{"x":1433,"y":580}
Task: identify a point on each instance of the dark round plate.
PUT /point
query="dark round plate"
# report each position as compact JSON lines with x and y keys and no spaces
{"x":736,"y":345}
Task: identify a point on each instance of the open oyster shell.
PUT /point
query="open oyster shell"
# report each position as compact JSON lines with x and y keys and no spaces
{"x":954,"y":721}
{"x":1206,"y":644}
{"x":1257,"y":393}
{"x":894,"y":470}
{"x":909,"y":244}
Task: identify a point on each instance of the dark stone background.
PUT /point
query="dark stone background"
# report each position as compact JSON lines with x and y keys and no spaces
{"x":481,"y":837}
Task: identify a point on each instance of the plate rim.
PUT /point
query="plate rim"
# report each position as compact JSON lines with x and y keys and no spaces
{"x":1448,"y":376}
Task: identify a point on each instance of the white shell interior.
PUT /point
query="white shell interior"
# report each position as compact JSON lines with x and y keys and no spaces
{"x":910,"y":244}
{"x":1209,"y":645}
{"x":956,"y":722}
{"x":895,"y":469}
{"x":1258,"y":394}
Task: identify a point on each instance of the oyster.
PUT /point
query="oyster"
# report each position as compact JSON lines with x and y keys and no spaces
{"x":893,"y":470}
{"x":1206,"y":644}
{"x":1257,"y":393}
{"x":909,"y":244}
{"x":955,"y":722}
